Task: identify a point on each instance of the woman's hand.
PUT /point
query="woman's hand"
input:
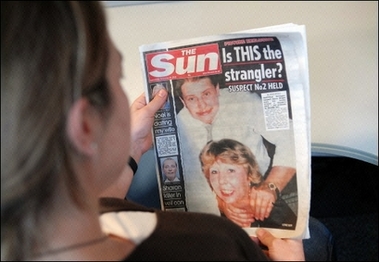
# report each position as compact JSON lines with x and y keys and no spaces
{"x":142,"y":119}
{"x":241,"y":217}
{"x":280,"y":249}
{"x":262,"y":201}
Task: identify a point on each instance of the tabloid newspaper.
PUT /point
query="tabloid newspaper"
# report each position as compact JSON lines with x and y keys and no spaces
{"x":233,"y":138}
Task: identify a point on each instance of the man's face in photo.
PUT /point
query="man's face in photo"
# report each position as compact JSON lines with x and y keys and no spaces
{"x":201,"y":99}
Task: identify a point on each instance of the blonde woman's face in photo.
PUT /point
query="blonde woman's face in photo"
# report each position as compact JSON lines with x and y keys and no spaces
{"x":169,"y":169}
{"x":229,"y":181}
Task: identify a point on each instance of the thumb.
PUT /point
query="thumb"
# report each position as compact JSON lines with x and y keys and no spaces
{"x":265,"y":237}
{"x":158,"y":101}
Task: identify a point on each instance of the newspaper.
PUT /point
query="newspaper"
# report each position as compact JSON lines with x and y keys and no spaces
{"x":233,"y":138}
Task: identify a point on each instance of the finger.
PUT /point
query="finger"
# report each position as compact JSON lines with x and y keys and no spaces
{"x":269,"y":208}
{"x":158,"y":101}
{"x":236,"y":210}
{"x":258,"y":207}
{"x":263,"y":210}
{"x":253,"y":201}
{"x":241,"y":213}
{"x":242,"y":224}
{"x":265,"y":237}
{"x":139,"y":102}
{"x":243,"y":216}
{"x":246,"y":222}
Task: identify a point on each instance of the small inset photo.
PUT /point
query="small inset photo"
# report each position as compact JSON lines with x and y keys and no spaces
{"x":170,"y":170}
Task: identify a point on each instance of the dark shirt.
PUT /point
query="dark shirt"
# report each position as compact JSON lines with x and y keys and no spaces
{"x":189,"y":236}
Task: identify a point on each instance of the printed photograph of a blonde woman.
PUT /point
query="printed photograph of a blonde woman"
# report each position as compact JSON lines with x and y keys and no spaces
{"x":170,"y":170}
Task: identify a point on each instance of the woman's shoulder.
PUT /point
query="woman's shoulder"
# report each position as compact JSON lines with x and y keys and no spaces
{"x":197,"y":236}
{"x":189,"y":236}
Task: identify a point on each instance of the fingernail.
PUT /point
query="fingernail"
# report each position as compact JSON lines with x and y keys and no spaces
{"x":259,"y":232}
{"x":162,"y":93}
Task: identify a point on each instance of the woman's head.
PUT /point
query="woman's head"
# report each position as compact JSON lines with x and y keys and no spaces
{"x":56,"y":87}
{"x":200,"y":95}
{"x":169,"y":167}
{"x":229,"y":167}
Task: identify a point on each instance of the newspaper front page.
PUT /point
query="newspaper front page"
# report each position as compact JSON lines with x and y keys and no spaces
{"x":233,"y":138}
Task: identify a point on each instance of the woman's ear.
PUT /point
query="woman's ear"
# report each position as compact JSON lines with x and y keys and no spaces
{"x":82,"y":125}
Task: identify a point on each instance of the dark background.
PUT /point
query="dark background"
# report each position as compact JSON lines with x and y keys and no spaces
{"x":345,"y":198}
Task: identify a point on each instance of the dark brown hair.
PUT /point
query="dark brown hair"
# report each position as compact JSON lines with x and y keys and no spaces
{"x":52,"y":53}
{"x":215,"y":79}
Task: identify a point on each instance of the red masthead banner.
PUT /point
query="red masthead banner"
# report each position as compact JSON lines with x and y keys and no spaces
{"x":184,"y":62}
